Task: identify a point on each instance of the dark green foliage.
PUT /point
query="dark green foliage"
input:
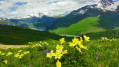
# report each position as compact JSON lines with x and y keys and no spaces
{"x":16,"y":35}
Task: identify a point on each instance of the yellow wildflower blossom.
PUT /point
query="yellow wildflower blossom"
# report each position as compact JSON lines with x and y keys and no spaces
{"x":62,"y":40}
{"x":71,"y":44}
{"x":58,"y":63}
{"x":58,"y":55}
{"x":113,"y":39}
{"x":86,"y":38}
{"x":84,"y":47}
{"x":110,"y":40}
{"x":104,"y":38}
{"x":79,"y":49}
{"x":20,"y":56}
{"x":25,"y":52}
{"x":81,"y":39}
{"x":9,"y":53}
{"x":75,"y":40}
{"x":5,"y":61}
{"x":80,"y":44}
{"x":2,"y":53}
{"x":16,"y":55}
{"x":20,"y":51}
{"x":59,"y":48}
{"x":65,"y":52}
{"x":9,"y":46}
{"x":50,"y":54}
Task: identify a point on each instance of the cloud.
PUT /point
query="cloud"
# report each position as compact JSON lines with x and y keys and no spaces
{"x":21,"y":8}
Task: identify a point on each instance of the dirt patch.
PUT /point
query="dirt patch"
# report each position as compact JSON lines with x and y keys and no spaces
{"x":13,"y":46}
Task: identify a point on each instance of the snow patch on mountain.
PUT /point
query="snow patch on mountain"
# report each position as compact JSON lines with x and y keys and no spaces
{"x":108,"y":5}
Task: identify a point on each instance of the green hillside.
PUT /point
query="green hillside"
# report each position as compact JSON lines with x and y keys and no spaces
{"x":16,"y":35}
{"x":87,"y":25}
{"x":108,"y":33}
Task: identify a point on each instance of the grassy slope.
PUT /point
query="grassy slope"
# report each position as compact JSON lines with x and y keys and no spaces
{"x":109,"y":34}
{"x":86,"y":25}
{"x":16,"y":35}
{"x":107,"y":52}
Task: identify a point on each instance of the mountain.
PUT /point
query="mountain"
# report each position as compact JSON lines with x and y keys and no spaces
{"x":107,"y":11}
{"x":41,"y":22}
{"x":108,"y":17}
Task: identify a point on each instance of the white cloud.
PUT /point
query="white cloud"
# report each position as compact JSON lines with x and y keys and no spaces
{"x":33,"y":7}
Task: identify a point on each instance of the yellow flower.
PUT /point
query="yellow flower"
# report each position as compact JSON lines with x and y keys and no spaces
{"x":84,"y":47}
{"x":65,"y":52}
{"x":79,"y":49}
{"x":50,"y":54}
{"x":62,"y":40}
{"x":104,"y":38}
{"x":58,"y":55}
{"x":59,"y":48}
{"x":75,"y":40}
{"x":9,"y":46}
{"x":20,"y":51}
{"x":80,"y":45}
{"x":10,"y":53}
{"x":71,"y":44}
{"x":27,"y":52}
{"x":0,"y":52}
{"x":12,"y":48}
{"x":58,"y":63}
{"x":16,"y":55}
{"x":81,"y":39}
{"x":110,"y":40}
{"x":5,"y":61}
{"x":20,"y":56}
{"x":86,"y":38}
{"x":113,"y":38}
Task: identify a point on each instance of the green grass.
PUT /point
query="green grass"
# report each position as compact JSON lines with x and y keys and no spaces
{"x":108,"y":33}
{"x":84,"y":26}
{"x":106,"y":51}
{"x":18,"y":36}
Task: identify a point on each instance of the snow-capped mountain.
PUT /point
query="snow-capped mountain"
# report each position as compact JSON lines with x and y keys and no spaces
{"x":2,"y":19}
{"x":106,"y":10}
{"x":108,"y":5}
{"x":103,"y":5}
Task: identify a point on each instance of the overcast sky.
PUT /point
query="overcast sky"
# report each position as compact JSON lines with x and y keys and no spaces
{"x":21,"y":8}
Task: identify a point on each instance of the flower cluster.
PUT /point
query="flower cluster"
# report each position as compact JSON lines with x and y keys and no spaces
{"x":59,"y":48}
{"x":59,"y":52}
{"x":78,"y":43}
{"x":106,"y":39}
{"x":19,"y":54}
